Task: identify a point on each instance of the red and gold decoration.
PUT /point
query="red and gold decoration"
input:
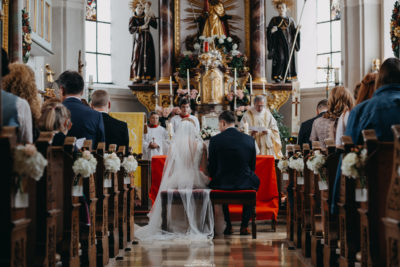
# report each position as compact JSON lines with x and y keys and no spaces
{"x":26,"y":36}
{"x":395,"y":29}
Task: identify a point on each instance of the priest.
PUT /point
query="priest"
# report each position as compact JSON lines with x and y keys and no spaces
{"x":263,"y":127}
{"x":184,"y":105}
{"x":155,"y":141}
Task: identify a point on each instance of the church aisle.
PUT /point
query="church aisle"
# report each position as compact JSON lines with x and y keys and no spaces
{"x":269,"y":249}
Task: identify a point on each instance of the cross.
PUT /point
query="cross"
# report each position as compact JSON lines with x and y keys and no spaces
{"x":296,"y":102}
{"x":328,"y":70}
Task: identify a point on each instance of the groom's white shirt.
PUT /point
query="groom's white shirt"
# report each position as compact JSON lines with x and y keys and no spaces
{"x":177,"y":119}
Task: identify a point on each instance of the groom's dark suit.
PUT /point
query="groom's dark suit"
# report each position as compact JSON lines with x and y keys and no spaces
{"x":231,"y":165}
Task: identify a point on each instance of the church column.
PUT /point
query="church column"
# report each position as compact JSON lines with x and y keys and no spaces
{"x":166,"y":39}
{"x":257,"y":40}
{"x":15,"y":34}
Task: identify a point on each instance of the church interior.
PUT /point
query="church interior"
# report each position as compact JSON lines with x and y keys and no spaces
{"x":95,"y":94}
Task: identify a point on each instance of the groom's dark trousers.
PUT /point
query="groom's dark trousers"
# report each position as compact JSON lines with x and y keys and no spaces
{"x":231,"y":165}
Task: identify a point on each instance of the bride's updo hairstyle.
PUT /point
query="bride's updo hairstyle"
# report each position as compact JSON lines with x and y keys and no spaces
{"x":227,"y":116}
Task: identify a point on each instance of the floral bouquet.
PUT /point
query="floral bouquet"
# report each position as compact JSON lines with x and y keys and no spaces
{"x":130,"y":165}
{"x":315,"y":163}
{"x":26,"y":35}
{"x":296,"y":162}
{"x":283,"y":166}
{"x":207,"y":133}
{"x":395,"y":29}
{"x":353,"y":166}
{"x":112,"y":164}
{"x":83,"y":167}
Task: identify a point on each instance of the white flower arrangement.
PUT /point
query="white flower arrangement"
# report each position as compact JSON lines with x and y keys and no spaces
{"x":234,"y":47}
{"x":112,"y":163}
{"x":221,"y":41}
{"x":130,"y":164}
{"x":208,"y":132}
{"x":235,"y":53}
{"x":283,"y":165}
{"x":353,"y":165}
{"x":316,"y":162}
{"x":85,"y":165}
{"x":28,"y":162}
{"x":296,"y":162}
{"x":229,"y":39}
{"x":202,"y":37}
{"x":197,"y":46}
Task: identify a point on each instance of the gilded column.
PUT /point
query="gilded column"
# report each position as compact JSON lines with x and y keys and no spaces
{"x":257,"y":48}
{"x":15,"y":35}
{"x":166,"y":39}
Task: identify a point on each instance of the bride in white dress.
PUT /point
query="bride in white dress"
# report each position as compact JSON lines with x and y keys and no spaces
{"x":184,"y":171}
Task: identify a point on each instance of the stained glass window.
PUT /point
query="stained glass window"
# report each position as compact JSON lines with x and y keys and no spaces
{"x":329,"y":37}
{"x":98,"y":41}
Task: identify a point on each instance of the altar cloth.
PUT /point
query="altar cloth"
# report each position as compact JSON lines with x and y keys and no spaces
{"x":267,"y":206}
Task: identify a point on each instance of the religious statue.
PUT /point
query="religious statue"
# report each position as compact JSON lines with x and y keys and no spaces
{"x":215,"y":19}
{"x":143,"y":68}
{"x":281,"y":34}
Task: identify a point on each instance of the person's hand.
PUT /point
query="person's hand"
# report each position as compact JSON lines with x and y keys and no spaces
{"x":274,"y":29}
{"x":153,"y":145}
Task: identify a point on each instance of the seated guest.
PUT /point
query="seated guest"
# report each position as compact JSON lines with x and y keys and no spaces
{"x":86,"y":122}
{"x":267,"y":135}
{"x":21,"y":82}
{"x":15,"y":110}
{"x":306,"y":127}
{"x":155,"y":141}
{"x":231,"y":165}
{"x":382,"y":110}
{"x":340,"y":100}
{"x":116,"y":131}
{"x":365,"y":91}
{"x":184,"y":106}
{"x":55,"y":118}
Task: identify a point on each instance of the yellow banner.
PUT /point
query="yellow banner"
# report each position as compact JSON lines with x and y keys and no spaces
{"x":135,"y":121}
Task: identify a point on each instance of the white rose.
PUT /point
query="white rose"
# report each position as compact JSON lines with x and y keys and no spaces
{"x":229,"y":39}
{"x":220,"y":40}
{"x":202,"y":37}
{"x":197,"y":46}
{"x":234,"y":46}
{"x":223,"y":36}
{"x":86,"y":155}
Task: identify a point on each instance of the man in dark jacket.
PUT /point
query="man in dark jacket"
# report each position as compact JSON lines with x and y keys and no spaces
{"x":231,"y":165}
{"x":86,"y":122}
{"x":306,"y":127}
{"x":116,"y":130}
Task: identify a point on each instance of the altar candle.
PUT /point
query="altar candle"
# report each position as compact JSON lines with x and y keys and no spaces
{"x":188,"y":80}
{"x":169,"y":129}
{"x":156,"y":88}
{"x":170,"y":85}
{"x":205,"y":46}
{"x":246,"y":128}
{"x":336,"y":76}
{"x":251,"y":85}
{"x":234,"y":83}
{"x":90,"y":82}
{"x":42,"y":79}
{"x":264,"y":88}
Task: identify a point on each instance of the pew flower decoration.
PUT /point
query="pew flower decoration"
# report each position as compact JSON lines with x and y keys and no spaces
{"x":85,"y":165}
{"x":296,"y":162}
{"x":207,"y":133}
{"x":316,"y":163}
{"x":130,"y":165}
{"x":283,"y":165}
{"x":353,"y":165}
{"x":28,"y":162}
{"x":112,"y":163}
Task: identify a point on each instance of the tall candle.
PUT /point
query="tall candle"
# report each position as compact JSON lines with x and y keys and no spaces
{"x":188,"y":80}
{"x":156,"y":88}
{"x":170,"y":85}
{"x":264,"y":88}
{"x":90,"y":82}
{"x":42,"y":79}
{"x":234,"y":83}
{"x":205,"y":46}
{"x":336,"y":76}
{"x":251,"y":85}
{"x":246,"y":128}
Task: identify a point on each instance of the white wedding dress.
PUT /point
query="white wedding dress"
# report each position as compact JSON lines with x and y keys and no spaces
{"x":194,"y":218}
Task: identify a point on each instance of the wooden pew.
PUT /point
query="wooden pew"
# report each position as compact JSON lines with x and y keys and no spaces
{"x":297,"y":212}
{"x":349,"y":219}
{"x":113,"y":211}
{"x":130,"y":208}
{"x":123,"y":202}
{"x":71,"y":205}
{"x":14,"y":229}
{"x":145,"y":179}
{"x":330,"y":221}
{"x":392,"y":214}
{"x":306,"y":207}
{"x":378,"y":171}
{"x":101,"y":209}
{"x":47,"y":212}
{"x":88,"y":233}
{"x":289,"y":209}
{"x":316,"y":217}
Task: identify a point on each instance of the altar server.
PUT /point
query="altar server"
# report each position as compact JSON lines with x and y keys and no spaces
{"x":184,"y":106}
{"x":156,"y":140}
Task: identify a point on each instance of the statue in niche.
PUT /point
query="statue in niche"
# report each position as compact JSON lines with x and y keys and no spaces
{"x":281,"y":33}
{"x":143,"y":62}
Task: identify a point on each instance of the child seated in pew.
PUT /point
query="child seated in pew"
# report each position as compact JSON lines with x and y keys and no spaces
{"x":55,"y":118}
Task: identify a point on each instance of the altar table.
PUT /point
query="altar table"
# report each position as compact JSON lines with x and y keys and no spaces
{"x":267,"y":196}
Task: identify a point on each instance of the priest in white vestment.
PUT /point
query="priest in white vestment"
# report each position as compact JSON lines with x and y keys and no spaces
{"x":155,"y":141}
{"x":263,"y":127}
{"x":184,"y":105}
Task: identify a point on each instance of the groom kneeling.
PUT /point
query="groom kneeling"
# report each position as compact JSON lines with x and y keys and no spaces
{"x":231,"y":165}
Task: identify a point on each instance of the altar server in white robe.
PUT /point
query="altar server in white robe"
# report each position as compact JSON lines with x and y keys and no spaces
{"x":184,"y":105}
{"x":155,"y":141}
{"x":263,"y":127}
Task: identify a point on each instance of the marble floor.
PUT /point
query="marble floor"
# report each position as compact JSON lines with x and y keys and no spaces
{"x":269,"y":249}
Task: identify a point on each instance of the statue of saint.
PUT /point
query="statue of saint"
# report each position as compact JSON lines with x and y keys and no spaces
{"x":281,"y":32}
{"x":143,"y":68}
{"x":215,"y":19}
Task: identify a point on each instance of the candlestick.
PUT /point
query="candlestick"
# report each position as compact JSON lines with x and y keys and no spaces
{"x":42,"y":79}
{"x":246,"y":128}
{"x":170,"y":85}
{"x":156,"y":91}
{"x":251,"y":85}
{"x":264,"y":88}
{"x":336,"y":76}
{"x":188,"y":80}
{"x":234,"y":91}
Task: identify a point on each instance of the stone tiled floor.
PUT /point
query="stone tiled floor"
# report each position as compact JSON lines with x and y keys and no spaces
{"x":269,"y":249}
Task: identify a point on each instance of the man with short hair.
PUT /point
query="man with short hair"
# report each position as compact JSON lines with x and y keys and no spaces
{"x":264,"y":128}
{"x":116,"y":131}
{"x":306,"y":127}
{"x":86,"y":122}
{"x":231,"y":165}
{"x":184,"y":106}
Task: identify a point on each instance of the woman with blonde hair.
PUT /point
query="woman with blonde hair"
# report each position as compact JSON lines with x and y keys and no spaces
{"x":340,"y":101}
{"x":21,"y":82}
{"x":55,"y":118}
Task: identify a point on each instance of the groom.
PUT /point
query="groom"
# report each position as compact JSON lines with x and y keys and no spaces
{"x":231,"y":165}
